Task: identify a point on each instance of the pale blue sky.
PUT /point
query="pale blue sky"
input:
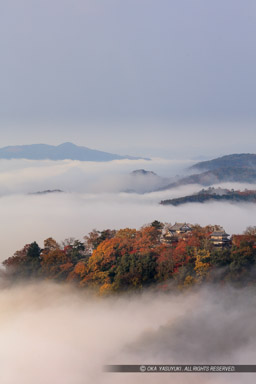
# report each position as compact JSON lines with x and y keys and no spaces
{"x":162,"y":77}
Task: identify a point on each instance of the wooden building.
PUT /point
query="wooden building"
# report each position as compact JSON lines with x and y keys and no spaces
{"x":220,"y":239}
{"x":175,"y":232}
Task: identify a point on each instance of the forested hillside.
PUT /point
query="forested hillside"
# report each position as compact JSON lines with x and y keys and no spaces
{"x":130,"y":259}
{"x":60,"y":152}
{"x":241,"y":160}
{"x":211,"y":194}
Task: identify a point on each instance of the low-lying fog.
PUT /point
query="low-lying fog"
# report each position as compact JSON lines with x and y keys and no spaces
{"x":55,"y":334}
{"x":23,"y":176}
{"x":92,"y":199}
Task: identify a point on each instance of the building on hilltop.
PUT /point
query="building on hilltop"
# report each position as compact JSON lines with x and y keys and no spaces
{"x":179,"y":228}
{"x":172,"y":234}
{"x":220,"y":238}
{"x":168,"y":237}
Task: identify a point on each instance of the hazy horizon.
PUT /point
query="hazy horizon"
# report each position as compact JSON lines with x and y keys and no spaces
{"x":168,"y":79}
{"x":199,"y":154}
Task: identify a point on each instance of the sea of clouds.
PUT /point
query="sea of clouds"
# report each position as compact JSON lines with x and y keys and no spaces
{"x":55,"y":334}
{"x":94,"y":197}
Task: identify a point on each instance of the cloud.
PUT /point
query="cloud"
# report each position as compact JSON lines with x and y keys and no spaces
{"x":93,"y":200}
{"x":24,"y":176}
{"x":56,"y":334}
{"x":25,"y":219}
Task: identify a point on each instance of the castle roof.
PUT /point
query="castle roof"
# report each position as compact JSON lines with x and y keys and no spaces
{"x":178,"y":226}
{"x":219,"y":233}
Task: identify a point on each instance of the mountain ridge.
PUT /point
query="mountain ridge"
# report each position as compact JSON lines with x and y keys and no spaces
{"x":208,"y":178}
{"x":214,"y":194}
{"x":229,"y":168}
{"x":240,"y":160}
{"x":64,"y":151}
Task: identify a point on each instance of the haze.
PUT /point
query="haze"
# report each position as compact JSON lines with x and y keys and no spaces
{"x":138,"y":77}
{"x":55,"y":334}
{"x":95,"y":197}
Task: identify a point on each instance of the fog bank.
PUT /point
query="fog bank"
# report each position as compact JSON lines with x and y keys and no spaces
{"x":54,"y":334}
{"x":25,"y":219}
{"x":25,"y":176}
{"x":92,"y":199}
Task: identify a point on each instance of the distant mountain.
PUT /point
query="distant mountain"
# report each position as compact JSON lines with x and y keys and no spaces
{"x":212,"y":194}
{"x":46,"y":192}
{"x":142,"y":181}
{"x":231,"y":174}
{"x":61,"y":152}
{"x":243,"y":160}
{"x":142,"y":172}
{"x":239,"y":168}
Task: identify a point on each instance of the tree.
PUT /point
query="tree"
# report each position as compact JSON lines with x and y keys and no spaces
{"x":157,"y":225}
{"x":220,"y":257}
{"x":243,"y":256}
{"x":25,"y":263}
{"x":50,"y":245}
{"x":76,"y":251}
{"x":135,"y":270}
{"x":251,"y":230}
{"x":95,"y":237}
{"x":16,"y":264}
{"x":202,"y":264}
{"x":56,"y":264}
{"x":33,"y":259}
{"x":165,"y":262}
{"x":102,"y":262}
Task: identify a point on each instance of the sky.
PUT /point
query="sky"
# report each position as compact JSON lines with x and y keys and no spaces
{"x":156,"y":78}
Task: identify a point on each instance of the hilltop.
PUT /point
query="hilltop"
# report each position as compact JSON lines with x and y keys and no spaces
{"x":156,"y":255}
{"x":65,"y":151}
{"x":143,"y":181}
{"x":46,"y":192}
{"x":208,"y":178}
{"x":242,"y":160}
{"x":239,"y":168}
{"x":143,"y":172}
{"x":214,"y":194}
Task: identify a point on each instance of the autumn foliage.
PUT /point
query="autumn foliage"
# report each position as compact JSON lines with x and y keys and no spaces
{"x":113,"y":261}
